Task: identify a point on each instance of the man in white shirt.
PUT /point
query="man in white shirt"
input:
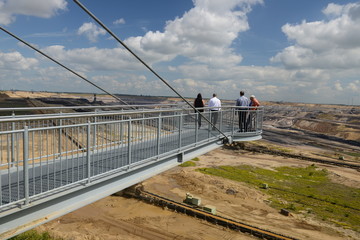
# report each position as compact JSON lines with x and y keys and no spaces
{"x":215,"y":106}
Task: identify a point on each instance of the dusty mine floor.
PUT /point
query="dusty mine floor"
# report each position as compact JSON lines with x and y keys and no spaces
{"x":122,"y":218}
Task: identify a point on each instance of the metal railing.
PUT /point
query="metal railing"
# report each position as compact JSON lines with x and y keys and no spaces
{"x":44,"y":155}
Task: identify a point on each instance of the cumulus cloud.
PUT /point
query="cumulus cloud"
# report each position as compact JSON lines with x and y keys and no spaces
{"x":15,"y":61}
{"x":325,"y":44}
{"x":94,"y":59}
{"x":119,"y":21}
{"x":203,"y":34}
{"x":91,"y":31}
{"x":38,"y":8}
{"x":194,"y":53}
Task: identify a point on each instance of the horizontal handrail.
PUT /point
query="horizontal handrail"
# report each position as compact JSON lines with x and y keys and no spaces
{"x":20,"y":118}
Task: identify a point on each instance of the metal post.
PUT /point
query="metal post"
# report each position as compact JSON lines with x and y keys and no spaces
{"x":60,"y":131}
{"x":180,"y":129}
{"x":94,"y":131}
{"x":197,"y":128}
{"x":158,"y":135}
{"x":143,"y":126}
{"x":129,"y":142}
{"x":88,"y":151}
{"x":60,"y":147}
{"x":221,"y":120}
{"x":121,"y":130}
{"x":233,"y":121}
{"x":26,"y":164}
{"x":13,"y":144}
{"x":210,"y":127}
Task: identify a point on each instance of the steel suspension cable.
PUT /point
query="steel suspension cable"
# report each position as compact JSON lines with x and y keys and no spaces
{"x":62,"y":65}
{"x":145,"y":64}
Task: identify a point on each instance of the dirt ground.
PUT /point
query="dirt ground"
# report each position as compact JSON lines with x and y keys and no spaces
{"x":120,"y":218}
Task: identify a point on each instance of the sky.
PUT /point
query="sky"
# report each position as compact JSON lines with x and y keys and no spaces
{"x":278,"y":50}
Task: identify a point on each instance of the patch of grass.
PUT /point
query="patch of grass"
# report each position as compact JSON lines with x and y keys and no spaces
{"x":271,"y":147}
{"x":188,"y":164}
{"x":353,"y":154}
{"x":300,"y":190}
{"x":281,"y":149}
{"x":355,"y":121}
{"x":195,"y":159}
{"x":327,"y":116}
{"x":34,"y":235}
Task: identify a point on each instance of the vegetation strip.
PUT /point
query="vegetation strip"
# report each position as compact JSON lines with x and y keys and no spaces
{"x":34,"y":235}
{"x":302,"y":188}
{"x":316,"y":198}
{"x":289,"y":155}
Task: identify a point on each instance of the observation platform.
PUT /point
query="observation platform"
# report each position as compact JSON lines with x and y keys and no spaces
{"x":54,"y":163}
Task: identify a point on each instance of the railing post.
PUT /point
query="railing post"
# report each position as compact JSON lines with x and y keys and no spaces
{"x":129,"y":143}
{"x":210,"y":127}
{"x":13,"y":143}
{"x":158,"y":135}
{"x":180,"y":129}
{"x":143,"y":126}
{"x":88,"y":151}
{"x":26,"y":164}
{"x":121,"y":129}
{"x":197,"y":128}
{"x":233,"y":110}
{"x":95,"y":131}
{"x":221,"y":120}
{"x":60,"y":131}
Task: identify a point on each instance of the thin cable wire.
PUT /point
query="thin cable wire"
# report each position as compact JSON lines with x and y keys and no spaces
{"x":70,"y":70}
{"x":145,"y":64}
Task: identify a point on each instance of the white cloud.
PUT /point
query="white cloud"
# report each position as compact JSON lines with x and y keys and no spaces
{"x":119,"y":21}
{"x":203,"y":34}
{"x":94,"y":59}
{"x":338,"y":86}
{"x":91,"y":31}
{"x":38,"y":8}
{"x":333,"y":10}
{"x":354,"y":87}
{"x":15,"y":61}
{"x":325,"y":44}
{"x":194,"y":54}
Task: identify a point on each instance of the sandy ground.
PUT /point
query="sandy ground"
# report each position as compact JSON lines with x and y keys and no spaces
{"x":121,"y":218}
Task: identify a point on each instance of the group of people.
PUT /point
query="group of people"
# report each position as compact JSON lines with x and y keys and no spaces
{"x":243,"y":104}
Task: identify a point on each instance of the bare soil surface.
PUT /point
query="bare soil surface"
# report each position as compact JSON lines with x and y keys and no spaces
{"x":116,"y":217}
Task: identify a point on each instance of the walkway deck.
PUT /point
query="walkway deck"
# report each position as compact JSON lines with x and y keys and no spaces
{"x":54,"y":164}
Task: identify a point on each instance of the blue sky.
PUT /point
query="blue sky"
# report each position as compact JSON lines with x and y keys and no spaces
{"x":279,"y":50}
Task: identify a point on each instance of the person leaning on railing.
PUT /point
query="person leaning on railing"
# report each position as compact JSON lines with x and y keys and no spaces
{"x":254,"y":103}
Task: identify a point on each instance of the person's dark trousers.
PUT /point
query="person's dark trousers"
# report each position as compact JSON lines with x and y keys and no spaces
{"x":199,"y":120}
{"x":214,"y":117}
{"x":242,"y":121}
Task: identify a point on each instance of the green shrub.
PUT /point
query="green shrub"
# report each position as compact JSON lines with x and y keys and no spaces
{"x":188,"y":164}
{"x":34,"y":235}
